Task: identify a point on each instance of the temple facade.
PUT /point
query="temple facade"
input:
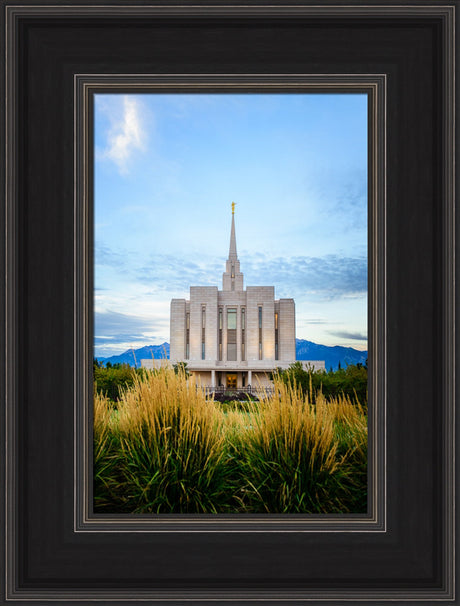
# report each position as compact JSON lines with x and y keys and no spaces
{"x":236,"y":336}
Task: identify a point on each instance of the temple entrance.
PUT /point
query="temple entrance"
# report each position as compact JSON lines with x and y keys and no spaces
{"x":231,"y":381}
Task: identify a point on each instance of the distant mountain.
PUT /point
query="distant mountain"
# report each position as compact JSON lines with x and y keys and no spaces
{"x":305,"y":350}
{"x":147,"y":352}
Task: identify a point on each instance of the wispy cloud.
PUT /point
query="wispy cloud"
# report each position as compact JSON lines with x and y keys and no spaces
{"x":125,"y":135}
{"x":355,"y":336}
{"x":324,"y":278}
{"x":328,"y":277}
{"x":104,"y":255}
{"x":313,"y":321}
{"x":171,"y":273}
{"x":118,"y":327}
{"x":341,"y":198}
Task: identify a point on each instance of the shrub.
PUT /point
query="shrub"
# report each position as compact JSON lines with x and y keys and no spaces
{"x":108,"y":381}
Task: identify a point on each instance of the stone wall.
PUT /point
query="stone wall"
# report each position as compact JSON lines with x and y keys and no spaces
{"x":177,"y":329}
{"x":286,"y":337}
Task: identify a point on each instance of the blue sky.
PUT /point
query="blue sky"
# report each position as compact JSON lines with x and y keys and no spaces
{"x":168,"y":166}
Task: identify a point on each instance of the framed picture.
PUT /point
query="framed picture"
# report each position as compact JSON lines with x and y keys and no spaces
{"x":65,"y":65}
{"x":202,"y":337}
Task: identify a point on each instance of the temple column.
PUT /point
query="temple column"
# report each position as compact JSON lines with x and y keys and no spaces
{"x":250,"y":377}
{"x":213,"y":378}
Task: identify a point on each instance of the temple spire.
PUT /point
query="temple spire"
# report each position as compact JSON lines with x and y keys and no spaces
{"x":232,"y":278}
{"x":232,"y":251}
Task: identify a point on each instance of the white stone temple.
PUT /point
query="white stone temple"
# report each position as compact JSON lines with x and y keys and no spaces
{"x":236,"y":336}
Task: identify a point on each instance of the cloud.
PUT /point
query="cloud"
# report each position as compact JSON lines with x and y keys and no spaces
{"x":314,"y":321}
{"x":118,"y":327}
{"x":125,"y":135}
{"x":356,"y":336}
{"x":170,"y":273}
{"x":341,"y":198}
{"x":103,"y":255}
{"x":328,"y":277}
{"x":351,"y":203}
{"x":325,"y":278}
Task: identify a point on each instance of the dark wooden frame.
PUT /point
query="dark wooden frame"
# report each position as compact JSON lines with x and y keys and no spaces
{"x":55,"y":550}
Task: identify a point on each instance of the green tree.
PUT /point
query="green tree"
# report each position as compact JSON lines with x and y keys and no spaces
{"x":350,"y":381}
{"x":109,"y":379}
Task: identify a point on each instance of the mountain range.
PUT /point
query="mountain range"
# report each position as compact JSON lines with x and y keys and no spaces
{"x":305,"y":350}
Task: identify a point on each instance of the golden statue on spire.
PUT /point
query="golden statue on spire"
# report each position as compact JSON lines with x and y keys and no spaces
{"x":233,"y":207}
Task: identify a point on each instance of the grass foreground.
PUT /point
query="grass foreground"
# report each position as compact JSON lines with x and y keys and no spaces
{"x":164,"y":447}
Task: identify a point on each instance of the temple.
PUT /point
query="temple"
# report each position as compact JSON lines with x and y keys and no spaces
{"x":234,"y":337}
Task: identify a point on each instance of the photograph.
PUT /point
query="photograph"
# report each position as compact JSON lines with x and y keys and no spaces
{"x":230,"y":366}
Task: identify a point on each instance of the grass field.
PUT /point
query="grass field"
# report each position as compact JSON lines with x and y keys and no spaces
{"x":163,"y":447}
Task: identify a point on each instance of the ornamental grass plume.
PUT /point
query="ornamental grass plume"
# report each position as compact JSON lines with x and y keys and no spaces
{"x":292,"y":455}
{"x":171,"y":447}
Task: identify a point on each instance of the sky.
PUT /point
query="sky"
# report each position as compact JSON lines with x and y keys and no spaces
{"x":167,"y":168}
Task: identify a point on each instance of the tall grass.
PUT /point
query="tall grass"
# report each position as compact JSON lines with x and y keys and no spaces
{"x":301,"y":457}
{"x":168,"y":449}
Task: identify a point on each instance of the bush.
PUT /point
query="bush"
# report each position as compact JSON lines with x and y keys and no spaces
{"x":113,"y":378}
{"x":234,"y":396}
{"x":350,"y":382}
{"x":109,"y":380}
